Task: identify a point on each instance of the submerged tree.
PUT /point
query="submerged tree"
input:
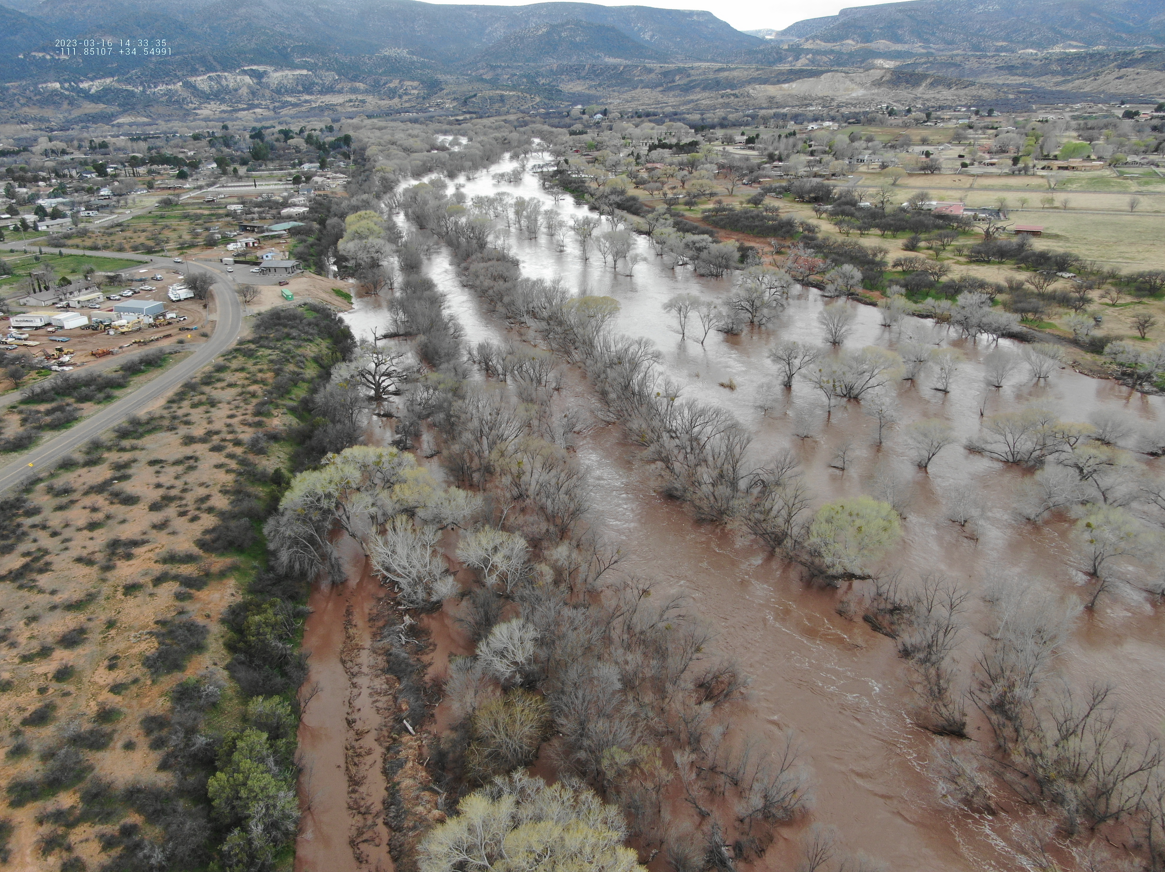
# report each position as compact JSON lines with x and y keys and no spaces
{"x":852,"y":534}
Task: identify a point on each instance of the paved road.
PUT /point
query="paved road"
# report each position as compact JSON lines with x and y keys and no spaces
{"x":44,"y":456}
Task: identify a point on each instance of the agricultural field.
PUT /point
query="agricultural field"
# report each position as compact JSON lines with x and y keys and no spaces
{"x":133,"y":576}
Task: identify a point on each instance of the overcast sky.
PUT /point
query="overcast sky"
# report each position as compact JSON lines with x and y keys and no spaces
{"x":741,"y":14}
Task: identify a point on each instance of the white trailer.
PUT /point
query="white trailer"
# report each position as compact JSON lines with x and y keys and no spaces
{"x":69,"y":320}
{"x":29,"y":320}
{"x":177,"y":294}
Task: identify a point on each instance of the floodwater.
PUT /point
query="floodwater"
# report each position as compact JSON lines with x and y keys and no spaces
{"x":342,"y":786}
{"x":831,"y":680}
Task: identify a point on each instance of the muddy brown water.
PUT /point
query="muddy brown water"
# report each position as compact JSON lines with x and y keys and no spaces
{"x":836,"y":685}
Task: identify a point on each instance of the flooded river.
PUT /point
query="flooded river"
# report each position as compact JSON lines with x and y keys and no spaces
{"x":829,"y":679}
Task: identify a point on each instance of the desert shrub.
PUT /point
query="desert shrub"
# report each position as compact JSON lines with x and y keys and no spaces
{"x":40,"y":653}
{"x":40,"y":716}
{"x":108,"y":714}
{"x":13,"y":512}
{"x":179,"y":639}
{"x":6,"y":830}
{"x":63,"y":768}
{"x":73,"y":638}
{"x":171,"y":556}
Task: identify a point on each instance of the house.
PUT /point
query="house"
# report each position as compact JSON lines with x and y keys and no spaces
{"x":286,"y":225}
{"x":952,"y":209}
{"x":279,"y":267}
{"x":293,"y":212}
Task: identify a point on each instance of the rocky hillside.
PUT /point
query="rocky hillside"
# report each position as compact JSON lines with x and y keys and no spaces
{"x":989,"y":26}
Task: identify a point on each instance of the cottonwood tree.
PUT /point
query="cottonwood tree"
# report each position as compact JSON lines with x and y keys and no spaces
{"x":775,"y":501}
{"x":791,"y":357}
{"x":682,"y":305}
{"x":883,"y":407}
{"x":507,"y":652}
{"x":915,"y":358}
{"x":927,"y":438}
{"x":1053,"y":487}
{"x":1062,"y":747}
{"x":1141,"y":366}
{"x":379,"y":371}
{"x":1025,"y":436}
{"x":406,"y":555}
{"x":998,"y":365}
{"x":584,"y":230}
{"x":928,"y":643}
{"x":836,"y":320}
{"x":520,"y":824}
{"x":849,"y":535}
{"x":505,"y":734}
{"x":946,"y":362}
{"x":357,"y":490}
{"x":843,"y":281}
{"x":1042,"y":359}
{"x":851,"y":374}
{"x":709,"y":315}
{"x":893,"y":309}
{"x":1108,"y":534}
{"x":760,"y":294}
{"x":501,"y":557}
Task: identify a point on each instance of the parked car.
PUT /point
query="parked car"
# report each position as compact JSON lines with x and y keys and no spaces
{"x":283,"y":281}
{"x":255,"y":269}
{"x":177,"y":260}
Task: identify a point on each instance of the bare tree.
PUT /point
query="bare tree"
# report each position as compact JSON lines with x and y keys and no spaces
{"x":836,"y":320}
{"x":1042,"y":358}
{"x":791,"y":357}
{"x":682,"y":305}
{"x":946,"y":361}
{"x":200,"y":283}
{"x":998,"y":365}
{"x":927,"y":438}
{"x":883,"y":407}
{"x":1142,"y":323}
{"x":247,"y":293}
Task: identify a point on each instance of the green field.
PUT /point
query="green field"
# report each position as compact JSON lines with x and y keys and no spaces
{"x":72,"y":265}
